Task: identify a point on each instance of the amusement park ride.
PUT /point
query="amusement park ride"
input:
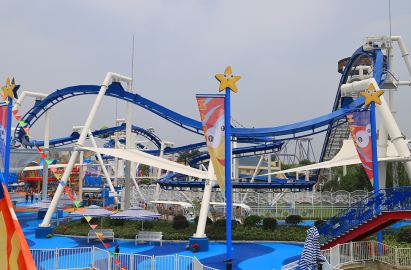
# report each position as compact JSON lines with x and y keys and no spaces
{"x":369,"y":69}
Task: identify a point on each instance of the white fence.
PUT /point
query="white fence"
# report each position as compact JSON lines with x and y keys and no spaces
{"x":99,"y":259}
{"x":362,"y":251}
{"x":253,"y":198}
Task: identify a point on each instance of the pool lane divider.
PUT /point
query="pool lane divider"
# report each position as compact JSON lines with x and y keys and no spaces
{"x":58,"y":176}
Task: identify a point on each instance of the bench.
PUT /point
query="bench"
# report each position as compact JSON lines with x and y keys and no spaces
{"x":107,"y":233}
{"x":149,"y":237}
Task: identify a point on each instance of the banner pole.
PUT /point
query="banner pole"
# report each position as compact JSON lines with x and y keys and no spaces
{"x":227,"y":126}
{"x":375,"y":159}
{"x":8,"y":142}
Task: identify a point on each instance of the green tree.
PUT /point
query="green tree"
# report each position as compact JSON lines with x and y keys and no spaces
{"x":355,"y":179}
{"x":401,"y":174}
{"x":185,"y":156}
{"x":104,"y":136}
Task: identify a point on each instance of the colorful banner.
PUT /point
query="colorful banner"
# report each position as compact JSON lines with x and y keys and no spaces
{"x":211,"y":109}
{"x":360,"y":127}
{"x":15,"y":252}
{"x":3,"y":132}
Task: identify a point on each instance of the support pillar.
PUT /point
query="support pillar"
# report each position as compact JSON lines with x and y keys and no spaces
{"x":45,"y":181}
{"x":127,"y":184}
{"x":110,"y":77}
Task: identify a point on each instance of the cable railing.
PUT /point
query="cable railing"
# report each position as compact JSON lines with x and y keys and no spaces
{"x":96,"y":258}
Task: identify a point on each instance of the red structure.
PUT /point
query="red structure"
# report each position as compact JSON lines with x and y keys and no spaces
{"x":374,"y":225}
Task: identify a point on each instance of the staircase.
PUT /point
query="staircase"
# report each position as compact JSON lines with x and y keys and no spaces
{"x":366,"y":217}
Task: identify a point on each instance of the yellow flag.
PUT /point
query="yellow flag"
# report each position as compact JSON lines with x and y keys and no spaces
{"x":88,"y":218}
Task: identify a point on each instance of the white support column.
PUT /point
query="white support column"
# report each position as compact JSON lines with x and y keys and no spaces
{"x":395,"y":134}
{"x":129,"y":144}
{"x":236,"y":164}
{"x":110,"y":77}
{"x":158,"y":189}
{"x":205,"y":204}
{"x":269,"y":167}
{"x":386,"y":116}
{"x":134,"y":167}
{"x":81,"y":176}
{"x":44,"y":187}
{"x":257,"y":169}
{"x":103,"y":168}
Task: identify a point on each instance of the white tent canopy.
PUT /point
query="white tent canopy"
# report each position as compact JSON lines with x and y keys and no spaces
{"x":138,"y":156}
{"x":346,"y":156}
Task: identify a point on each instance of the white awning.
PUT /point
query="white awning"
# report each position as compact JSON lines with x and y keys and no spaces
{"x":346,"y":156}
{"x":150,"y":160}
{"x":182,"y":204}
{"x":36,"y":168}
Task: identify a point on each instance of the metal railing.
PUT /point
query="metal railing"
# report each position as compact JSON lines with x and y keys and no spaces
{"x":386,"y":200}
{"x":305,"y":211}
{"x":96,"y":258}
{"x":360,"y":252}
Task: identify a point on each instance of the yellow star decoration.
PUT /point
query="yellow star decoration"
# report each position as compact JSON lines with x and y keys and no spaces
{"x":227,"y":80}
{"x":372,"y":95}
{"x":8,"y":89}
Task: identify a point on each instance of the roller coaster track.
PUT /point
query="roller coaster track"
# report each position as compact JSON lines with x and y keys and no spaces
{"x":280,"y":133}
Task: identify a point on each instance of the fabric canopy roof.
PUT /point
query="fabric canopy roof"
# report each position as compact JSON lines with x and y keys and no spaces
{"x":346,"y":156}
{"x":150,"y":160}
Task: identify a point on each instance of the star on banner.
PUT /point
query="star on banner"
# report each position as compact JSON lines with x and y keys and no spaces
{"x":10,"y":89}
{"x":227,"y":80}
{"x":372,"y":95}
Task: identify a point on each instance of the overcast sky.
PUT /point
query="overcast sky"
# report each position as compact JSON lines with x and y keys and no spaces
{"x":285,"y":51}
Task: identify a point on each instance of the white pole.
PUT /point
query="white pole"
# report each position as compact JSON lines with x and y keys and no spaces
{"x":108,"y":79}
{"x":103,"y":168}
{"x":386,"y":117}
{"x":205,"y":204}
{"x":395,"y":134}
{"x":257,"y":169}
{"x":269,"y":167}
{"x":129,"y":144}
{"x":44,"y":187}
{"x":404,"y":52}
{"x":133,"y":178}
{"x":81,"y":177}
{"x":158,"y":189}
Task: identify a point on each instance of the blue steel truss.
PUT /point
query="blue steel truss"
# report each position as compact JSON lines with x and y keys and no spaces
{"x":299,"y":129}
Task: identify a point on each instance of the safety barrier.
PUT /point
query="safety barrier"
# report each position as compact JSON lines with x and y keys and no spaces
{"x":96,"y":258}
{"x":386,"y":200}
{"x":360,"y":252}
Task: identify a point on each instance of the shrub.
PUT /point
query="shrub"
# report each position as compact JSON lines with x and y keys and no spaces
{"x":293,"y":219}
{"x":404,"y":234}
{"x":269,"y":223}
{"x":180,"y":222}
{"x":251,"y":221}
{"x":208,"y":222}
{"x":220,"y":223}
{"x":116,"y":222}
{"x":318,"y":222}
{"x":148,"y":224}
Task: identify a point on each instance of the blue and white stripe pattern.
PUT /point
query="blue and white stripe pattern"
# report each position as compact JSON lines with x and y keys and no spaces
{"x":311,"y":252}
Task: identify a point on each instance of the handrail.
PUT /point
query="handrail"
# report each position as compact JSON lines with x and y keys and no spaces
{"x":386,"y":200}
{"x":361,"y":252}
